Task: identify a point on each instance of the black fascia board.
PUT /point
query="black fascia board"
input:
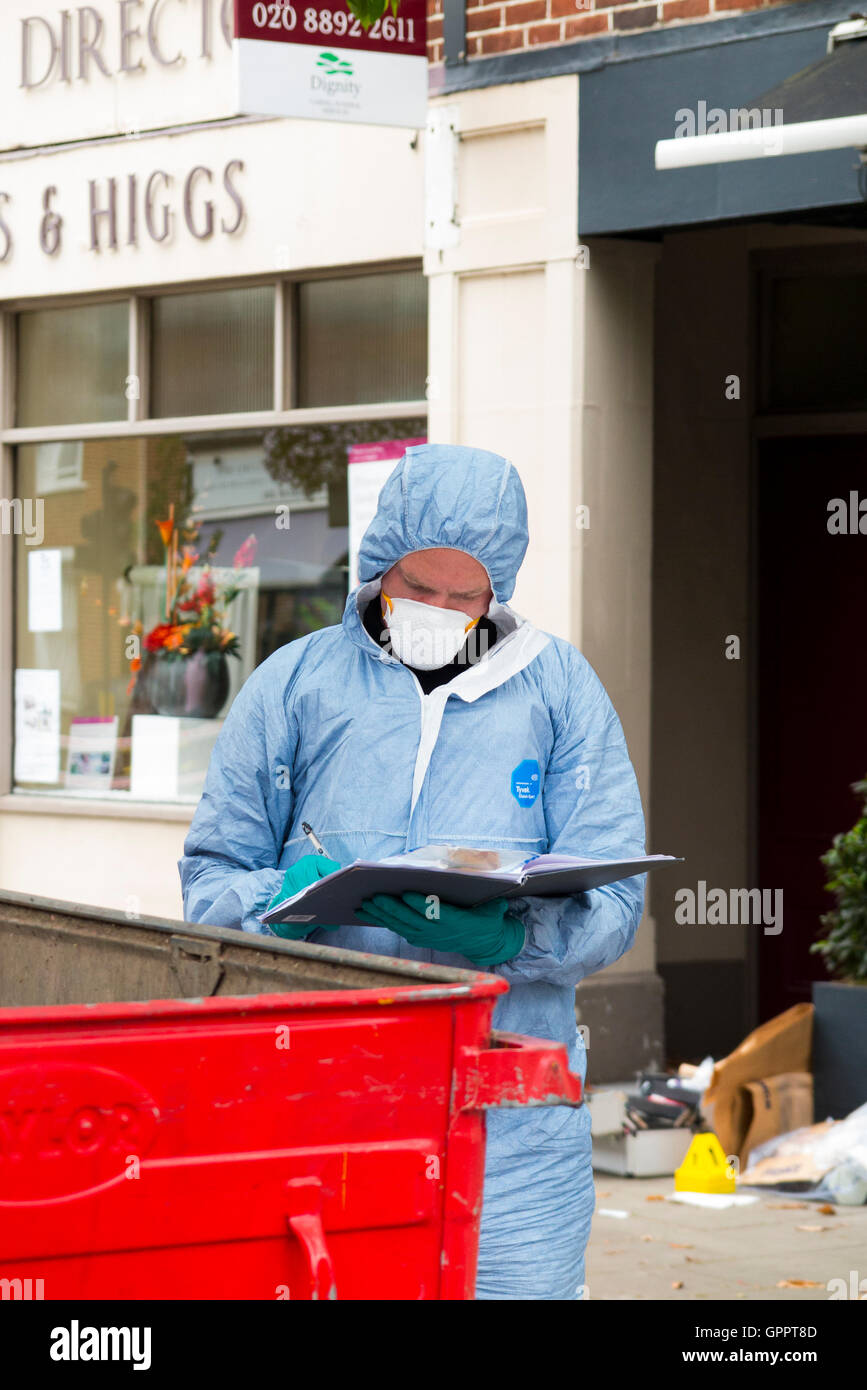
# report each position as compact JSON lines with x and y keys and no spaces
{"x":625,"y":109}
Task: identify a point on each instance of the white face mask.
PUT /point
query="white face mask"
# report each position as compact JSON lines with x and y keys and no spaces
{"x":424,"y":636}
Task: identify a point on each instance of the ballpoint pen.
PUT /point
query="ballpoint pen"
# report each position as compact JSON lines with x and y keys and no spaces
{"x":309,"y":832}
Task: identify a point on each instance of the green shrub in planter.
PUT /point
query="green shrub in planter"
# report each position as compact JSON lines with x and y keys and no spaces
{"x":844,"y":944}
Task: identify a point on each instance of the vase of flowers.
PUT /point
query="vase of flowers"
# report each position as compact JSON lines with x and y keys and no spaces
{"x":188,"y":671}
{"x":195,"y":688}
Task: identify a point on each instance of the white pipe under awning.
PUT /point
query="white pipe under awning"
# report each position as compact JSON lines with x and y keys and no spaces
{"x":804,"y":137}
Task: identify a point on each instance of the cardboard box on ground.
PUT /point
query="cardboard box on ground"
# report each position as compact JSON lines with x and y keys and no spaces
{"x":765,"y":1086}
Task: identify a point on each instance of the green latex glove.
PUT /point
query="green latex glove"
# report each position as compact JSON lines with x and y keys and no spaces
{"x":486,"y":935}
{"x":308,"y":869}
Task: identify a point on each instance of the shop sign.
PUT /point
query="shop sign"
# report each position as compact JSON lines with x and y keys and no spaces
{"x":112,"y":67}
{"x":127,"y":210}
{"x":315,"y":60}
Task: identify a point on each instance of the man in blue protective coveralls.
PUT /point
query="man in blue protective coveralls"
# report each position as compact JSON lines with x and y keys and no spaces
{"x":434,"y":714}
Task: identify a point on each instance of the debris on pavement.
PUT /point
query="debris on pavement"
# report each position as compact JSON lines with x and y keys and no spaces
{"x":824,"y":1161}
{"x":643,"y":1132}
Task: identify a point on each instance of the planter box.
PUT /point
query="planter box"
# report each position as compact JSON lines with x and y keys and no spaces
{"x":839,"y":1048}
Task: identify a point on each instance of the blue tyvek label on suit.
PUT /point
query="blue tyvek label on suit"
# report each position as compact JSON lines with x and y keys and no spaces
{"x":526,"y":781}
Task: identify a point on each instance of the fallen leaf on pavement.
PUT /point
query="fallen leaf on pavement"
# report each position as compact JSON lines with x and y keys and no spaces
{"x":800,"y":1284}
{"x":647,"y":1237}
{"x":814,"y":1228}
{"x":679,"y":1245}
{"x":654,"y":1197}
{"x":677,"y":1284}
{"x":790,"y":1206}
{"x":826,"y":1209}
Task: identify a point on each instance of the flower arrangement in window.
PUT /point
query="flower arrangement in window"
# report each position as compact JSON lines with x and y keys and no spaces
{"x":193,"y":636}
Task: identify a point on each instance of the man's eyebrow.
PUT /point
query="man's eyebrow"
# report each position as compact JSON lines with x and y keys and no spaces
{"x":416,"y":583}
{"x":429,"y":589}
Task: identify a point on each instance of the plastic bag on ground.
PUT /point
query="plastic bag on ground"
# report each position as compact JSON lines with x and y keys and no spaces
{"x":827,"y":1161}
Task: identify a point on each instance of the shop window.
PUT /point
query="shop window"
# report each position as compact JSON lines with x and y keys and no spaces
{"x":102,"y":699}
{"x":814,"y":343}
{"x":212,"y":353}
{"x":72,"y":364}
{"x":362,"y":338}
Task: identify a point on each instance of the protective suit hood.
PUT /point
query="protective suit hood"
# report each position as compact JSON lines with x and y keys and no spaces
{"x":458,"y":498}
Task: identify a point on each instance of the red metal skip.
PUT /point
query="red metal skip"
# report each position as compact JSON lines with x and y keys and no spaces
{"x":304,"y":1145}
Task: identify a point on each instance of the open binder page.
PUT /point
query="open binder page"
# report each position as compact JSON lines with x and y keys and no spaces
{"x":464,"y":876}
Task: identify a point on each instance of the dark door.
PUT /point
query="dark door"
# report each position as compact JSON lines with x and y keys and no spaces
{"x":812,"y":690}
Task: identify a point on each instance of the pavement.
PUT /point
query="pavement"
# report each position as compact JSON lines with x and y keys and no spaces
{"x":663,"y":1250}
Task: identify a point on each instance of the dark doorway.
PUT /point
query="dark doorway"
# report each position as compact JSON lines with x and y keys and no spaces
{"x":812,"y":690}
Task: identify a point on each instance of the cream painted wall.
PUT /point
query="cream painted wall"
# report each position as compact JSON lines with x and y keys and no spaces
{"x":125,"y":864}
{"x":550,"y":364}
{"x":501,"y":326}
{"x":614,"y":477}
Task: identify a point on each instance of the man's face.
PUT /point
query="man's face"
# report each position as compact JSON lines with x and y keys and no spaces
{"x":443,"y":578}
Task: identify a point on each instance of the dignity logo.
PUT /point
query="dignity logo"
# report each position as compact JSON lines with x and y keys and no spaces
{"x":76,"y":1343}
{"x":335,"y":67}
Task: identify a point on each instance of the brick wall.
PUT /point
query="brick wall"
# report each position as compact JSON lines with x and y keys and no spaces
{"x":515,"y":24}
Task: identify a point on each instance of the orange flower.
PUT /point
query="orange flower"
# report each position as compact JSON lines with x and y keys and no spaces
{"x":166,"y":529}
{"x":226,"y":638}
{"x":175,"y":636}
{"x":190,"y":558}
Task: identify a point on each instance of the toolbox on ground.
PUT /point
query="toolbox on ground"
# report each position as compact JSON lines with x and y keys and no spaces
{"x":192,"y":1112}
